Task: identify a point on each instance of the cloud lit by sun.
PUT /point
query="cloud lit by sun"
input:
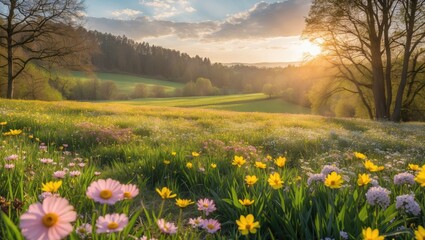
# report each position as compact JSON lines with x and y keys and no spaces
{"x":310,"y":49}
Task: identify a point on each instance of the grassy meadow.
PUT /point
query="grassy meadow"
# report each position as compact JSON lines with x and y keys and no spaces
{"x":298,"y":176}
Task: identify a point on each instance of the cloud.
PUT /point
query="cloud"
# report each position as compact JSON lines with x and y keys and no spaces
{"x":164,"y":9}
{"x":126,"y":12}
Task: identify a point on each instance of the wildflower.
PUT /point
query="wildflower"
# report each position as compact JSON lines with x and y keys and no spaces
{"x":129,"y":191}
{"x":166,"y":227}
{"x":83,"y":230}
{"x":59,"y":174}
{"x":420,"y":178}
{"x":369,"y":165}
{"x":414,"y":167}
{"x":246,"y":225}
{"x":74,"y":173}
{"x":9,"y":166}
{"x":173,"y":153}
{"x":196,"y":222}
{"x":404,"y":178}
{"x":146,"y":238}
{"x":46,"y":160}
{"x":81,"y":165}
{"x":420,"y":233}
{"x":45,"y":195}
{"x":378,"y":196}
{"x":3,"y":123}
{"x":189,"y":165}
{"x":12,"y":157}
{"x":360,"y":155}
{"x":97,"y":173}
{"x":260,"y":165}
{"x":211,"y":225}
{"x":333,"y":180}
{"x":318,"y":177}
{"x":280,"y":162}
{"x":195,"y":154}
{"x":408,"y":204}
{"x":182,"y":203}
{"x":238,"y":161}
{"x":105,"y":191}
{"x":111,"y":223}
{"x":246,"y":202}
{"x":13,"y":132}
{"x":206,"y":205}
{"x":369,"y":234}
{"x":275,"y":181}
{"x":51,"y":187}
{"x":343,"y":235}
{"x":213,"y":165}
{"x":48,"y":220}
{"x":251,"y":180}
{"x":165,"y":193}
{"x":166,"y":162}
{"x":328,"y":169}
{"x":71,"y":164}
{"x":363,"y":180}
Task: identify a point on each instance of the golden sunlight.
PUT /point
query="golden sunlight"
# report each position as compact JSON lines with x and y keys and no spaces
{"x":310,"y":48}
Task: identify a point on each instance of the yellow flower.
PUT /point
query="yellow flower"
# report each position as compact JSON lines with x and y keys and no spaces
{"x":238,"y":161}
{"x":195,"y":154}
{"x":3,"y":123}
{"x":213,"y":165}
{"x":182,"y":203}
{"x":377,"y":168}
{"x":165,"y":193}
{"x":246,"y":225}
{"x":360,"y":155}
{"x":298,"y":178}
{"x":189,"y":165}
{"x":414,"y":167}
{"x":13,"y":132}
{"x":166,"y":162}
{"x":369,"y":165}
{"x":275,"y":181}
{"x":269,"y":157}
{"x":260,"y":165}
{"x":369,"y":234}
{"x":31,"y":136}
{"x":363,"y":180}
{"x":51,"y":186}
{"x":173,"y":153}
{"x":420,"y":233}
{"x":246,"y":202}
{"x":420,"y":178}
{"x":251,"y":180}
{"x":280,"y":162}
{"x":333,"y":180}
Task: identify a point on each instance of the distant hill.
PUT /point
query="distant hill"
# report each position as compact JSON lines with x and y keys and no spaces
{"x":265,"y":64}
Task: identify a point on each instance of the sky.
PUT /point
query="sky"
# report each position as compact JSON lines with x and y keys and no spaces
{"x":226,"y":31}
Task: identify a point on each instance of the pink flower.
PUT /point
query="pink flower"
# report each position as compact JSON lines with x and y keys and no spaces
{"x":11,"y":157}
{"x":206,"y":205}
{"x":211,"y":225}
{"x":74,"y":173}
{"x":46,"y":160}
{"x":9,"y":166}
{"x":196,"y":222}
{"x":71,"y":164}
{"x":81,"y":165}
{"x":45,"y":195}
{"x":59,"y":174}
{"x":166,"y":227}
{"x":48,"y":220}
{"x":97,"y":173}
{"x":105,"y":191}
{"x":130,"y":191}
{"x":84,"y":229}
{"x":111,"y":223}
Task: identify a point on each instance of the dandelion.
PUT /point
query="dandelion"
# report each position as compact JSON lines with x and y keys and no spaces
{"x":48,"y":220}
{"x":211,"y":225}
{"x":275,"y":181}
{"x":105,"y":191}
{"x":9,"y":166}
{"x":111,"y":223}
{"x":238,"y":161}
{"x":280,"y":162}
{"x":369,"y":234}
{"x":182,"y":203}
{"x":206,"y":205}
{"x":51,"y":187}
{"x":328,"y":169}
{"x":420,"y":233}
{"x":408,"y":204}
{"x":404,"y":178}
{"x":196,"y":222}
{"x":246,"y":225}
{"x":318,"y":177}
{"x":251,"y":180}
{"x":195,"y":154}
{"x":166,"y":227}
{"x":246,"y":202}
{"x":413,"y":167}
{"x":189,"y":165}
{"x":363,"y":180}
{"x":84,"y":229}
{"x":360,"y":155}
{"x":129,"y":191}
{"x":334,"y":180}
{"x":213,"y":165}
{"x":378,"y":196}
{"x":59,"y":174}
{"x":74,"y":173}
{"x":12,"y":157}
{"x":260,"y":165}
{"x":165,"y":193}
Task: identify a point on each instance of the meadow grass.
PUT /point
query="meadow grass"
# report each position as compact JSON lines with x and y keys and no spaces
{"x":195,"y":153}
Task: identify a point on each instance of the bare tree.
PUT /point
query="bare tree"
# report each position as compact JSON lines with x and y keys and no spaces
{"x":37,"y":30}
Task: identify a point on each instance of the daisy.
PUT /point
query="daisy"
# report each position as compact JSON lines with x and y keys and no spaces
{"x":74,"y":173}
{"x":48,"y":220}
{"x":129,"y":191}
{"x":206,"y":205}
{"x":211,"y":225}
{"x":9,"y":166}
{"x":196,"y":222}
{"x":105,"y":191}
{"x":166,"y":227}
{"x":46,"y":160}
{"x":83,"y":230}
{"x":59,"y":174}
{"x":111,"y":223}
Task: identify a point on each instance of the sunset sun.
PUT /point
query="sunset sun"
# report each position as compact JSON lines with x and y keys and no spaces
{"x":310,"y":48}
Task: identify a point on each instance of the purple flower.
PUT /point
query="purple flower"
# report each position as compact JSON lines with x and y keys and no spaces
{"x":318,"y":177}
{"x":328,"y":169}
{"x":408,"y":204}
{"x":378,"y":196}
{"x":404,"y":178}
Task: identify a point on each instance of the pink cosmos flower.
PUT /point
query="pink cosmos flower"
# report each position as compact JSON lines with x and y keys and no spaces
{"x":111,"y":223}
{"x":46,"y":160}
{"x":81,"y":165}
{"x":130,"y":191}
{"x":196,"y":222}
{"x":71,"y":164}
{"x":211,"y":225}
{"x":11,"y":157}
{"x":166,"y":227}
{"x":206,"y":205}
{"x":105,"y":191}
{"x":74,"y":173}
{"x":9,"y":166}
{"x":84,"y":229}
{"x":59,"y":174}
{"x":48,"y":220}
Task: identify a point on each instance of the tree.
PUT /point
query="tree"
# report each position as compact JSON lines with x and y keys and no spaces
{"x":36,"y":30}
{"x":376,"y":46}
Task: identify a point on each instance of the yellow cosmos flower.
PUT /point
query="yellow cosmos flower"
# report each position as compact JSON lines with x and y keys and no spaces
{"x":275,"y":181}
{"x":280,"y":162}
{"x":189,"y":165}
{"x":420,"y":233}
{"x":251,"y":180}
{"x":260,"y":165}
{"x":213,"y":165}
{"x":3,"y":123}
{"x":420,"y":178}
{"x":414,"y":167}
{"x":238,"y":161}
{"x":246,"y":202}
{"x":195,"y":154}
{"x":333,"y":180}
{"x":166,"y":162}
{"x":369,"y":234}
{"x":363,"y":180}
{"x":165,"y":193}
{"x":360,"y":155}
{"x":246,"y":225}
{"x":51,"y":186}
{"x":182,"y":203}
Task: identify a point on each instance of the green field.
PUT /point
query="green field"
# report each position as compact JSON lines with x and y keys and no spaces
{"x":125,"y":83}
